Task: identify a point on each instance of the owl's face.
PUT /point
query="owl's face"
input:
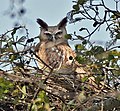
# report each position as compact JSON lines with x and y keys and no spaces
{"x":54,"y":34}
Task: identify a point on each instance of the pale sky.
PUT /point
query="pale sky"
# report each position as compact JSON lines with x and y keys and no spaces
{"x":52,"y":11}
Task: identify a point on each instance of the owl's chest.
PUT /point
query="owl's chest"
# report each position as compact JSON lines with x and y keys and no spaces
{"x":56,"y":56}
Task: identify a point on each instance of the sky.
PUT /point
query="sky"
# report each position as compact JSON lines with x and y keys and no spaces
{"x":51,"y":11}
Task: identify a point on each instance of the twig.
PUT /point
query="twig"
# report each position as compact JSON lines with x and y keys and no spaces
{"x":34,"y":97}
{"x":41,"y":60}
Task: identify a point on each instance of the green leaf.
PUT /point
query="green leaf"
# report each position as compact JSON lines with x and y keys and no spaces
{"x":6,"y":91}
{"x":110,"y":57}
{"x":79,"y":47}
{"x":68,"y":36}
{"x":43,"y":96}
{"x":84,"y":79}
{"x":24,"y":89}
{"x":76,"y":7}
{"x":80,"y":59}
{"x":81,"y":96}
{"x":88,"y":53}
{"x":115,"y":53}
{"x":71,"y":102}
{"x":81,"y":2}
{"x":24,"y":92}
{"x":84,"y":42}
{"x":97,"y":50}
{"x":118,"y":36}
{"x":112,"y":16}
{"x":5,"y":87}
{"x":98,"y":79}
{"x":101,"y":56}
{"x":13,"y":57}
{"x":80,"y":37}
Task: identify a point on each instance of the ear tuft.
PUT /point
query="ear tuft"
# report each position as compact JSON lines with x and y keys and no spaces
{"x":63,"y":22}
{"x":42,"y":23}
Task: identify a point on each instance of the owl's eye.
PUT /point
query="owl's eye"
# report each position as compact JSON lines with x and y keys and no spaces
{"x":48,"y":34}
{"x":58,"y":32}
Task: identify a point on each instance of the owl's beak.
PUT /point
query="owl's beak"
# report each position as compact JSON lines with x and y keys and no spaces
{"x":53,"y":38}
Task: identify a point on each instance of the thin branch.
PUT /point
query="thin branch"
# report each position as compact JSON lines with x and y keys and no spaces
{"x":93,"y":31}
{"x":34,"y":97}
{"x":41,"y":60}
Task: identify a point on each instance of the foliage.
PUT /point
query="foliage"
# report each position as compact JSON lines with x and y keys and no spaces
{"x":21,"y":83}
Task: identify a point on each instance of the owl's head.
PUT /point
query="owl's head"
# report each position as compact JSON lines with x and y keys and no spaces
{"x":53,"y":33}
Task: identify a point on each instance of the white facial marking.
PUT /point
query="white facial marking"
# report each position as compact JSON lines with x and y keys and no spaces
{"x":47,"y":32}
{"x":58,"y":31}
{"x":53,"y":37}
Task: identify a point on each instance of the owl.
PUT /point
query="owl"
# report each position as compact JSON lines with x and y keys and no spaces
{"x":55,"y":55}
{"x":53,"y":50}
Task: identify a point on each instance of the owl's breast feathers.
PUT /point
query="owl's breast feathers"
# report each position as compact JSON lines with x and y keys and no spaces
{"x":59,"y":57}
